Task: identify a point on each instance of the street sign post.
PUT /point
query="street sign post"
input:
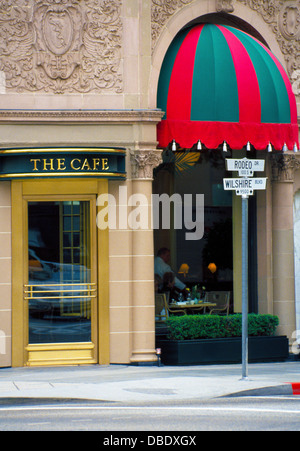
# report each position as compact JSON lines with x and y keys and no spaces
{"x":245,"y":187}
{"x":245,"y":294}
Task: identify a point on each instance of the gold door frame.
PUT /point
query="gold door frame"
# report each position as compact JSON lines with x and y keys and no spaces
{"x":97,"y":351}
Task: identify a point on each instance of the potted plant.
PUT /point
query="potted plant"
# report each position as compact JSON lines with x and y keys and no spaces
{"x":207,"y":339}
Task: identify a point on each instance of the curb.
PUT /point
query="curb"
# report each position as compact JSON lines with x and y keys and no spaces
{"x":287,"y":389}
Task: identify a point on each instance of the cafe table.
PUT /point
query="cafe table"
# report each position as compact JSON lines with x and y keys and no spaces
{"x":189,"y":307}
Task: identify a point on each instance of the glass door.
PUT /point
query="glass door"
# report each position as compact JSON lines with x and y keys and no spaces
{"x":61,"y":289}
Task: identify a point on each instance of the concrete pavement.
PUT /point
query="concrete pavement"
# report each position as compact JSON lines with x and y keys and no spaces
{"x":140,"y":384}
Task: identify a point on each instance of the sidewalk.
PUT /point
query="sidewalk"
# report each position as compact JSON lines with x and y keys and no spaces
{"x":131,"y":384}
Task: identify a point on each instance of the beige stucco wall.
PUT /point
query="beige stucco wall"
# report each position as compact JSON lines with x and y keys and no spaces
{"x":264,"y":245}
{"x":5,"y":274}
{"x":283,"y":257}
{"x":120,"y":286}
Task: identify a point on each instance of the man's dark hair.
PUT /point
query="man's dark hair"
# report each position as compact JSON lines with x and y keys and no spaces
{"x":162,"y":251}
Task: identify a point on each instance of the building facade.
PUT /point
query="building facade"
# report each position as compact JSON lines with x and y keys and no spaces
{"x":78,"y":118}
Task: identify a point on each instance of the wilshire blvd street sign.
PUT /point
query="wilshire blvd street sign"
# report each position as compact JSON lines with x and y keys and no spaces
{"x":245,"y":187}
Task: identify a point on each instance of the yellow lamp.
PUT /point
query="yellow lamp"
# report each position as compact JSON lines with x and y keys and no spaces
{"x":212,"y":267}
{"x":184,"y":269}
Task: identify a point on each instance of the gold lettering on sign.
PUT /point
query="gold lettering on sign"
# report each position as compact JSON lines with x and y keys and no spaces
{"x":86,"y":165}
{"x":105,"y":166}
{"x":35,"y":160}
{"x":75,"y":168}
{"x":96,"y":163}
{"x":48,"y":163}
{"x":61,"y":164}
{"x":77,"y":164}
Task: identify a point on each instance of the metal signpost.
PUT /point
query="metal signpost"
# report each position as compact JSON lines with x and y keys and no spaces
{"x":245,"y":187}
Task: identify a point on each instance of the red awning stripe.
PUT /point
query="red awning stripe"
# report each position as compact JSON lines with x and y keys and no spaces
{"x":275,"y":102}
{"x":248,"y":87}
{"x":181,"y":82}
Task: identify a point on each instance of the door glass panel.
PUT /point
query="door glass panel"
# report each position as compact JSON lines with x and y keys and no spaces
{"x":60,"y":289}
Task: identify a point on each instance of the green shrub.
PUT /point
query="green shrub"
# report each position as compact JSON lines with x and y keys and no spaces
{"x":192,"y":327}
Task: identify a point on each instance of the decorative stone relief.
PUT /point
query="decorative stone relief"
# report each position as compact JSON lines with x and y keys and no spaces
{"x":143,"y":162}
{"x":61,"y":46}
{"x":284,"y":19}
{"x":161,"y":12}
{"x":289,"y":20}
{"x":225,"y":6}
{"x":296,"y":82}
{"x":284,"y":166}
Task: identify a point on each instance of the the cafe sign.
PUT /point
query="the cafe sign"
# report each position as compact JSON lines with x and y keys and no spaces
{"x":62,"y":163}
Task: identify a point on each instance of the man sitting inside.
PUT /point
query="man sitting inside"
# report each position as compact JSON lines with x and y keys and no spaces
{"x":162,"y":267}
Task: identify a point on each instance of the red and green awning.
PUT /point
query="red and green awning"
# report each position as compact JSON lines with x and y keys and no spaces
{"x":219,"y":84}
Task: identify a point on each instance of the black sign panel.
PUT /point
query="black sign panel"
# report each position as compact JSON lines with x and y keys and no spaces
{"x":62,"y":163}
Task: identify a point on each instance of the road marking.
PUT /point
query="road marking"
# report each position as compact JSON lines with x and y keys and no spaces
{"x":142,"y":409}
{"x":278,"y":397}
{"x":41,"y":423}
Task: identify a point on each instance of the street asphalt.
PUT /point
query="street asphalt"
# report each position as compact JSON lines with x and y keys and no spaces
{"x":142,"y":384}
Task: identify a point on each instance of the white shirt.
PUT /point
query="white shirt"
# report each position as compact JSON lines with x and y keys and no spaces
{"x":160,"y":268}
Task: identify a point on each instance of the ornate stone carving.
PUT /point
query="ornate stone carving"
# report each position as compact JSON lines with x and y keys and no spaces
{"x":61,"y":46}
{"x":283,"y":167}
{"x":289,"y":20}
{"x":161,"y":12}
{"x":284,"y":19}
{"x":296,"y":82}
{"x":143,"y":162}
{"x":225,"y":6}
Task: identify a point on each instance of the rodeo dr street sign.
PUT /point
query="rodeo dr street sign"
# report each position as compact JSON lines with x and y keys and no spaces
{"x":247,"y":184}
{"x":244,"y":166}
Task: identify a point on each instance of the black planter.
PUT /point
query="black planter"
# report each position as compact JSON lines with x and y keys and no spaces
{"x":222,"y":350}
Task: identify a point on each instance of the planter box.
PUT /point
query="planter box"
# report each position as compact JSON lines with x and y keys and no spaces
{"x":222,"y":350}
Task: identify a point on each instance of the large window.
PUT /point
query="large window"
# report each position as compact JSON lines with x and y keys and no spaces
{"x":208,"y":261}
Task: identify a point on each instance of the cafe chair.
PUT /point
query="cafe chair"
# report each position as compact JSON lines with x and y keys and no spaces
{"x":170,"y":309}
{"x":222,"y":299}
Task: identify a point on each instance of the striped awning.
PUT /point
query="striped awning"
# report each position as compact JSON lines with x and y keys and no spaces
{"x":219,"y":84}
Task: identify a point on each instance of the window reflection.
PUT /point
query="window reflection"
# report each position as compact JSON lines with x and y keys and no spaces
{"x":59,"y":291}
{"x":210,"y":259}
